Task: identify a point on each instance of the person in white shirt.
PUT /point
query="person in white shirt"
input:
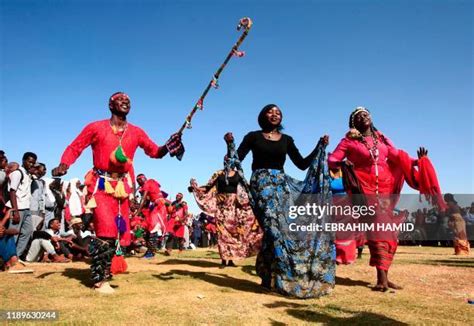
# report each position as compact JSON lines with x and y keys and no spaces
{"x":19,"y":187}
{"x":38,"y":193}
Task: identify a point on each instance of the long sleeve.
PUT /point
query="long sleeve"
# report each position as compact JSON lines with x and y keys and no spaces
{"x":295,"y":156}
{"x":151,"y":149}
{"x":36,"y":196}
{"x":74,"y":150}
{"x":335,"y":158}
{"x":245,"y":146}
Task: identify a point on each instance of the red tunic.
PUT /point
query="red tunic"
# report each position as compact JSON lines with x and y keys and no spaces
{"x":159,"y":212}
{"x":178,"y":217}
{"x":100,"y":136}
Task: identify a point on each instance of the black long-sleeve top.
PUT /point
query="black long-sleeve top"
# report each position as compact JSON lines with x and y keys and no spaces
{"x":268,"y":154}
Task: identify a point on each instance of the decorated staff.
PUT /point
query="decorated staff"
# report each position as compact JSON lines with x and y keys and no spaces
{"x":245,"y":24}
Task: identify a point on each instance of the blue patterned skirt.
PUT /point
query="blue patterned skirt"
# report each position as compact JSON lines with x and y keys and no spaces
{"x":301,"y":267}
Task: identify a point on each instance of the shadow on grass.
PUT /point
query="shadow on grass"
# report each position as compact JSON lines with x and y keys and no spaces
{"x":249,"y":269}
{"x":192,"y":262}
{"x":82,"y":275}
{"x":344,"y":281}
{"x":284,"y":304}
{"x":463,"y":263}
{"x":359,"y":318}
{"x":307,"y":313}
{"x":220,"y":280}
{"x":44,"y":275}
{"x":467,"y":262}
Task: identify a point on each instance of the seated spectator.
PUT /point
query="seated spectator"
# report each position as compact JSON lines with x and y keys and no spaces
{"x":79,"y":247}
{"x":48,"y":245}
{"x":3,"y":177}
{"x":8,"y":247}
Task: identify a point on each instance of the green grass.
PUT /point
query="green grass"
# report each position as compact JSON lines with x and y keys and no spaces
{"x":191,"y":289}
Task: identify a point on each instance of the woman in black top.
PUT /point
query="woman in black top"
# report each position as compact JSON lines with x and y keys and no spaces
{"x":225,"y":198}
{"x":300,"y":267}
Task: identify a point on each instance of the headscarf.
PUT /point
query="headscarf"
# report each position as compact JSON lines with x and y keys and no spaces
{"x":353,"y":132}
{"x":262,"y":118}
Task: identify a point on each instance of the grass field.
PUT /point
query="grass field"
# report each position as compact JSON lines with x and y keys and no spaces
{"x":191,"y":289}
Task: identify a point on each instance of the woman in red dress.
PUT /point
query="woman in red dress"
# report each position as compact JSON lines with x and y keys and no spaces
{"x":380,"y":170}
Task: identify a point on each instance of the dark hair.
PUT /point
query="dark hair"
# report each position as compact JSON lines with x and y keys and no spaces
{"x":262,"y":118}
{"x":140,"y":175}
{"x":29,"y":154}
{"x":2,"y":153}
{"x":51,"y":222}
{"x":42,"y":164}
{"x":449,"y":198}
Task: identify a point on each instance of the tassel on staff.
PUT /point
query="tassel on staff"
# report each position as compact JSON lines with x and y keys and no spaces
{"x":245,"y":24}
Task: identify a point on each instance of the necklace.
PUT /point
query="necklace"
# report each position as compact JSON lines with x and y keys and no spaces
{"x":116,"y":129}
{"x":270,"y":134}
{"x":118,"y":155}
{"x":374,"y":155}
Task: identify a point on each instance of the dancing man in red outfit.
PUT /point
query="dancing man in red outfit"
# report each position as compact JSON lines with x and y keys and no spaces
{"x":110,"y":182}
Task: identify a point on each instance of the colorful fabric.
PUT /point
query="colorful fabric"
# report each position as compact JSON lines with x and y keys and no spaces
{"x":300,"y":267}
{"x":157,"y":214}
{"x":239,"y":235}
{"x":458,"y":225}
{"x":104,"y":141}
{"x":177,"y":220}
{"x":423,"y":179}
{"x":175,"y":146}
{"x":107,"y":209}
{"x":461,"y":247}
{"x":345,"y":251}
{"x":393,"y":167}
{"x":382,"y":253}
{"x":102,"y":252}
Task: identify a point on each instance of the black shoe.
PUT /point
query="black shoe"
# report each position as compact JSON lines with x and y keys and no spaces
{"x":222,"y":266}
{"x":231,"y":264}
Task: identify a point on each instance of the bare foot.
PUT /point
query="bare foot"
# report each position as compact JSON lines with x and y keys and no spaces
{"x":380,"y":288}
{"x":394,"y":286}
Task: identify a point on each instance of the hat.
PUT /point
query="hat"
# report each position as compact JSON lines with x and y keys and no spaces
{"x":75,"y":221}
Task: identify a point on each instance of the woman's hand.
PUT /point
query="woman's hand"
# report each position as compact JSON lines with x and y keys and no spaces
{"x":422,"y":152}
{"x":325,"y":139}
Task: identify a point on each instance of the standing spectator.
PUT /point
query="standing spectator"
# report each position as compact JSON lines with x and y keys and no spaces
{"x":49,"y":201}
{"x":19,"y":187}
{"x":469,"y":218}
{"x":59,"y":198}
{"x":197,"y":231}
{"x":3,"y":176}
{"x":38,"y":192}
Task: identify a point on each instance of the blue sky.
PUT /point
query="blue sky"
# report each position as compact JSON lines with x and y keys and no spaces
{"x":409,"y":62}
